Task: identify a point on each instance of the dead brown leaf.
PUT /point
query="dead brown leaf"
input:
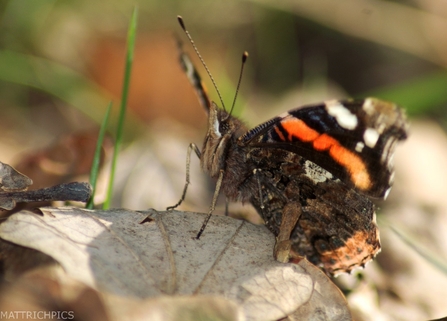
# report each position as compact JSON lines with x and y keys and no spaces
{"x":136,"y":255}
{"x":13,"y":180}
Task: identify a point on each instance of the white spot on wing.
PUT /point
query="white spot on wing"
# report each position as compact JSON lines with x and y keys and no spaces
{"x":189,"y":70}
{"x":316,"y":173}
{"x":344,"y":117}
{"x":381,"y":127}
{"x":368,"y":106}
{"x":370,"y":137}
{"x":359,"y":147}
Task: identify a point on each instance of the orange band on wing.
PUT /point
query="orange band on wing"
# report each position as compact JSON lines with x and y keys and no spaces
{"x":353,"y":163}
{"x":281,"y":136}
{"x":323,"y":142}
{"x":299,"y":129}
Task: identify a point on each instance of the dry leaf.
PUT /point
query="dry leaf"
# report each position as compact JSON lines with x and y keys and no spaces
{"x":112,"y":252}
{"x":14,"y":185}
{"x":12,"y":180}
{"x":175,"y":308}
{"x":74,"y":191}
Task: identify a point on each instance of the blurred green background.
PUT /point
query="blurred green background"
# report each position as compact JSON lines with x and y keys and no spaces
{"x":62,"y":61}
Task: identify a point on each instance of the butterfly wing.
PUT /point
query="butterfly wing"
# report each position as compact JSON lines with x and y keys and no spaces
{"x":194,"y":77}
{"x":353,"y":139}
{"x":336,"y":227}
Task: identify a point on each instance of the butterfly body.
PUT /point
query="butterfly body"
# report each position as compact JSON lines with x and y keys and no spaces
{"x":330,"y":217}
{"x":310,"y":173}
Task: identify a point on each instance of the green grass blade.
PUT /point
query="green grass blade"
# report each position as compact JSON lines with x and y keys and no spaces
{"x":119,"y":133}
{"x":97,"y":157}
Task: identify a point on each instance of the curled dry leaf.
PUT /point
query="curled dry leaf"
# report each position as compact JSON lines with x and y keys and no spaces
{"x":12,"y":180}
{"x":14,"y":185}
{"x":75,"y":191}
{"x":153,"y":254}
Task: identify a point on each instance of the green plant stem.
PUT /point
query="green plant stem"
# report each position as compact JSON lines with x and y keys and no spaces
{"x":119,"y":133}
{"x":97,"y":157}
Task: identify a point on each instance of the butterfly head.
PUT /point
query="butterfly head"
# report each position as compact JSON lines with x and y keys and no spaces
{"x":223,"y":130}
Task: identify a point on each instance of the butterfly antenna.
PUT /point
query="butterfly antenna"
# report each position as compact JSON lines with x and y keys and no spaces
{"x":244,"y":59}
{"x":182,"y":24}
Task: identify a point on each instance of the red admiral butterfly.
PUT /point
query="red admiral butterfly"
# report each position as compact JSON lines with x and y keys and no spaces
{"x":310,"y":172}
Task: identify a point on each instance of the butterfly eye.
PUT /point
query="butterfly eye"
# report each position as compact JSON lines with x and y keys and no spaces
{"x":224,"y":127}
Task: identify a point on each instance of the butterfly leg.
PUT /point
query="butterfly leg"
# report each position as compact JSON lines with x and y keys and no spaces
{"x":290,"y":216}
{"x":213,"y":203}
{"x":257,"y":172}
{"x":191,"y":147}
